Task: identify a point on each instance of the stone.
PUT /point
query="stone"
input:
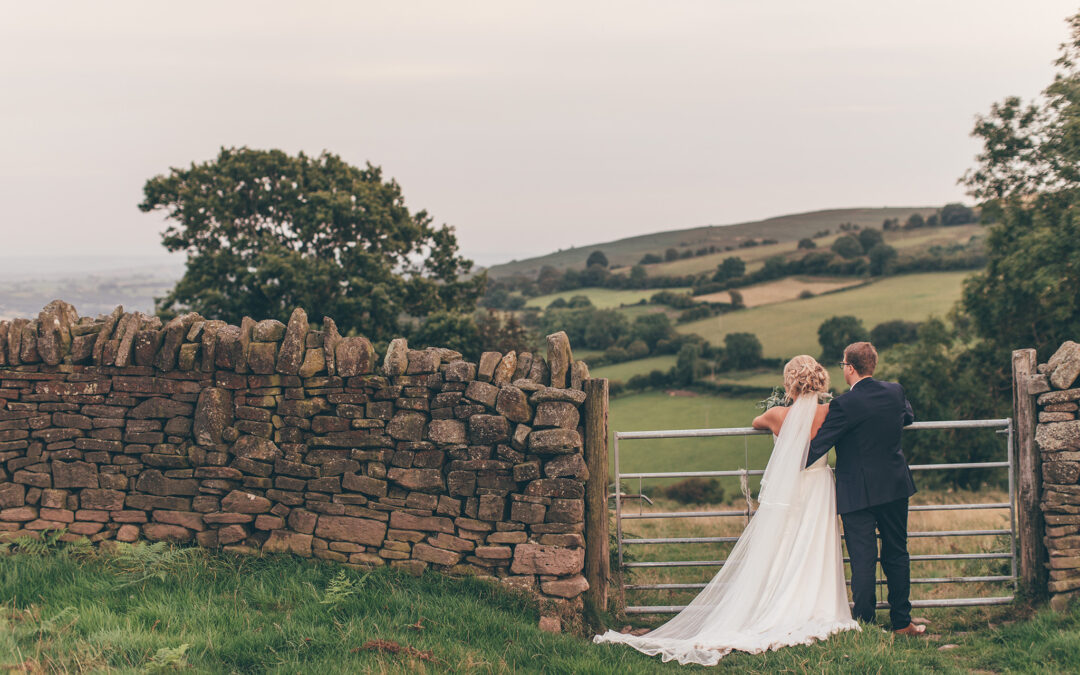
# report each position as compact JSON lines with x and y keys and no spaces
{"x":566,"y":466}
{"x":488,"y":429}
{"x":446,"y":431}
{"x":423,"y":480}
{"x":482,"y":392}
{"x":347,"y":528}
{"x":557,"y":414}
{"x":239,"y":501}
{"x":1058,"y":436}
{"x":153,"y":482}
{"x":460,"y":371}
{"x":172,"y":338}
{"x":103,"y":335}
{"x":1064,"y":365}
{"x":303,"y":521}
{"x":396,"y":361}
{"x":524,"y":365}
{"x":556,"y":487}
{"x":262,"y":357}
{"x":314,"y":363}
{"x":513,"y":404}
{"x":1061,"y":473}
{"x":549,"y":560}
{"x":160,"y":408}
{"x":407,"y":426}
{"x":256,"y":448}
{"x":491,"y":507}
{"x":104,"y":500}
{"x":291,"y":353}
{"x":527,"y":512}
{"x":213,"y":412}
{"x":554,"y":394}
{"x":519,"y":441}
{"x":364,"y":484}
{"x":570,"y":587}
{"x":423,"y":361}
{"x":434,"y":555}
{"x":268,"y":330}
{"x":1056,"y":417}
{"x":82,"y":348}
{"x":579,"y":372}
{"x":331,"y":339}
{"x":566,"y":511}
{"x":1063,"y":396}
{"x":12,"y":495}
{"x":504,"y":371}
{"x":211,"y":338}
{"x":554,"y":441}
{"x":284,"y":541}
{"x":488,"y":362}
{"x":354,"y":356}
{"x":75,"y":474}
{"x":400,"y":520}
{"x":559,"y":358}
{"x":166,"y":532}
{"x":187,"y":519}
{"x":527,"y":471}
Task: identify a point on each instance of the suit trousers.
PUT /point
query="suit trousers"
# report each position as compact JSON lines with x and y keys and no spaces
{"x":890,"y":519}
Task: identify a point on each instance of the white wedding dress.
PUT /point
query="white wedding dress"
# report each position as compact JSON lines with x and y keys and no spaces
{"x":783,"y":583}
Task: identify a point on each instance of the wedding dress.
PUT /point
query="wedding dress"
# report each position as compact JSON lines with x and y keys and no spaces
{"x":783,"y":583}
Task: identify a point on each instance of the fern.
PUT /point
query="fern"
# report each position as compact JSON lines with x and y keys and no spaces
{"x":142,"y":561}
{"x":342,"y":587}
{"x":167,"y":658}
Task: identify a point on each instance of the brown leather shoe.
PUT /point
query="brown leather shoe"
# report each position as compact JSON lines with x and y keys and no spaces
{"x":913,"y":630}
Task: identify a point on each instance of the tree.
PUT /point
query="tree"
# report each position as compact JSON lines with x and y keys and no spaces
{"x":548,"y":279}
{"x":807,"y":242}
{"x":957,"y":214}
{"x":914,"y":222}
{"x":605,"y":327}
{"x":932,"y":220}
{"x":650,"y":259}
{"x":890,"y":333}
{"x":730,"y":268}
{"x":597,"y":258}
{"x":881,"y":259}
{"x":265,"y":232}
{"x":651,"y":328}
{"x":847,"y":246}
{"x":836,"y":333}
{"x":671,"y":254}
{"x":868,"y":239}
{"x":638,"y":276}
{"x":688,"y":364}
{"x":736,"y":299}
{"x":741,"y":351}
{"x":446,"y":329}
{"x":579,"y":301}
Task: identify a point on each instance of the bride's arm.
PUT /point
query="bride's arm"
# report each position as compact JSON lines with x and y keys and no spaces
{"x":771,"y":419}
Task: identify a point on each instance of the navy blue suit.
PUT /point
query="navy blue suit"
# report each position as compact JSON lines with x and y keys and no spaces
{"x":873,"y":484}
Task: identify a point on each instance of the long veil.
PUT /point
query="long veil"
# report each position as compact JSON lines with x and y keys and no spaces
{"x":748,"y":604}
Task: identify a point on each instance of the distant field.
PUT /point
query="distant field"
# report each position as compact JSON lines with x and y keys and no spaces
{"x":622,"y":372}
{"x":789,"y":328}
{"x":780,"y":290}
{"x":782,"y":228}
{"x":602,"y":298}
{"x":755,"y":256}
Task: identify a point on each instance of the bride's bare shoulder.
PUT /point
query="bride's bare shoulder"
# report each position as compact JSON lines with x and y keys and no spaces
{"x":819,"y":418}
{"x":771,"y":419}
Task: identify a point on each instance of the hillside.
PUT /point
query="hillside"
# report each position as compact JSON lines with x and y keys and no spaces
{"x":628,"y":251}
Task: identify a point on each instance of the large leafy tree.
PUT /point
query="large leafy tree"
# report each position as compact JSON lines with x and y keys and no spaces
{"x":265,"y":231}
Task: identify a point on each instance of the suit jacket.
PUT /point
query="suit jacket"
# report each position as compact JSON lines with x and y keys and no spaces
{"x":865,"y":424}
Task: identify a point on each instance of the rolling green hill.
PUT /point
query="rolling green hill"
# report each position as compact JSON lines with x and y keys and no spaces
{"x":782,"y":228}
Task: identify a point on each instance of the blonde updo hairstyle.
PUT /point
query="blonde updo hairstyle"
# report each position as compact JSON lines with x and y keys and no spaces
{"x":804,"y":375}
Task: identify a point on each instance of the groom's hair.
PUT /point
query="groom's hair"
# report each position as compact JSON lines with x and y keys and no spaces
{"x":862,"y":356}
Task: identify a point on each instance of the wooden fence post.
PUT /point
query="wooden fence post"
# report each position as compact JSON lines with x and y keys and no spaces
{"x":1029,"y":518}
{"x":597,"y":567}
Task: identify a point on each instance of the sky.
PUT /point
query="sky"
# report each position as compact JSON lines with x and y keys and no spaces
{"x":528,"y":126}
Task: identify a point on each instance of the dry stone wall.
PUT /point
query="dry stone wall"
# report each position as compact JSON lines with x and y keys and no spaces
{"x":1057,"y":435}
{"x":275,"y":437}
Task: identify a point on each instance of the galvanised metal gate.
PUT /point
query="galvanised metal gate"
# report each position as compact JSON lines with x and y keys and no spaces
{"x":1001,"y":426}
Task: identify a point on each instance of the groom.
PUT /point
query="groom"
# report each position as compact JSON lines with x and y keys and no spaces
{"x":873,"y":483}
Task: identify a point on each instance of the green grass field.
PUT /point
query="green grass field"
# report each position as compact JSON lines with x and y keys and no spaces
{"x":621,"y":372}
{"x":789,"y":328}
{"x":602,"y":298}
{"x":73,"y":611}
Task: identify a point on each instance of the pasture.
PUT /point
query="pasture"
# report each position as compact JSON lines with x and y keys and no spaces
{"x":789,"y":328}
{"x":602,"y":298}
{"x":781,"y":290}
{"x":621,"y":372}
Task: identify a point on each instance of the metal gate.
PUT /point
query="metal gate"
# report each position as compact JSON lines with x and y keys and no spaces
{"x":1001,"y":426}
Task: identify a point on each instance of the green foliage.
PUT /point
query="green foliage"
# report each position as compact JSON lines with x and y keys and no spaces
{"x":836,"y":333}
{"x":915,"y":221}
{"x":651,"y":328}
{"x":807,"y":243}
{"x":578,"y":301}
{"x":730,"y":268}
{"x":741,"y":351}
{"x":168,"y":658}
{"x":688,"y":364}
{"x":957,"y":214}
{"x":695,"y":491}
{"x":881,"y":258}
{"x":265,"y":232}
{"x":342,"y":587}
{"x":847,"y":247}
{"x":869,"y":238}
{"x":597,"y":258}
{"x":897,"y":331}
{"x":450,"y":330}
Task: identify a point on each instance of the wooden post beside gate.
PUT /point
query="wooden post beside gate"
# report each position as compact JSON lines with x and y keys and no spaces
{"x":597,"y":568}
{"x":1029,"y":518}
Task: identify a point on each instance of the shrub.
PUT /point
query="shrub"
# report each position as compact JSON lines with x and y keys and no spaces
{"x":847,"y":247}
{"x":695,"y":491}
{"x":807,"y":242}
{"x":836,"y":333}
{"x":806,"y":293}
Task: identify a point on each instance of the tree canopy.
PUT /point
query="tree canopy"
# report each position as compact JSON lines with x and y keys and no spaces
{"x":265,"y":231}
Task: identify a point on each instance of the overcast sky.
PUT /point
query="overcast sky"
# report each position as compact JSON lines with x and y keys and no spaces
{"x":529,"y":126}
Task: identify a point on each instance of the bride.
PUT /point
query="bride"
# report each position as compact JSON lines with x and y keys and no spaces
{"x":783,"y":583}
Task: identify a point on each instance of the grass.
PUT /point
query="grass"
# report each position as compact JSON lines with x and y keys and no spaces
{"x":628,"y":251}
{"x":602,"y":298}
{"x":772,"y":378}
{"x":784,"y":289}
{"x":81,"y":612}
{"x":621,"y":372}
{"x":789,"y":328}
